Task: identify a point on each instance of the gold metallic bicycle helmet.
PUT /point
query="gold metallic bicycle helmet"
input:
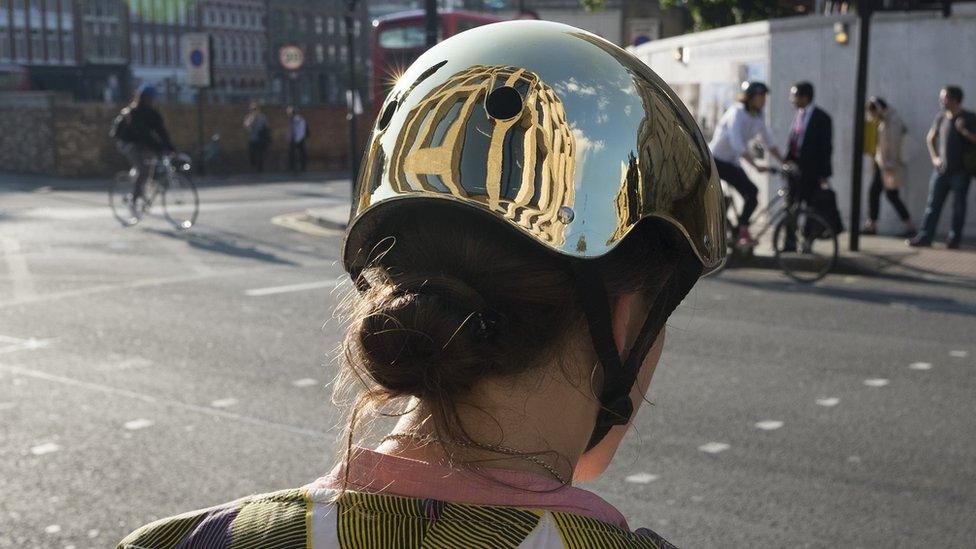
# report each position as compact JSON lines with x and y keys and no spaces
{"x":563,"y":137}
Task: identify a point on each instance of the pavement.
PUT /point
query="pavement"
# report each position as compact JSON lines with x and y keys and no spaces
{"x":146,"y":371}
{"x":883,"y":256}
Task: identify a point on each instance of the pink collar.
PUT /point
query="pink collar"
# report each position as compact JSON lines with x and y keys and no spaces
{"x":373,"y":472}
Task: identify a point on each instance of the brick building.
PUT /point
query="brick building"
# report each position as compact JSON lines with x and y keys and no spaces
{"x":240,"y":46}
{"x":75,"y":46}
{"x":316,"y":26}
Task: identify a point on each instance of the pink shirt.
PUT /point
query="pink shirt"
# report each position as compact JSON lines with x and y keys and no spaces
{"x":373,"y":472}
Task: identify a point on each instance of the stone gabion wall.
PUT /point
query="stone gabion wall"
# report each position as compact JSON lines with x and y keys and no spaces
{"x":46,"y":134}
{"x":27,"y":140}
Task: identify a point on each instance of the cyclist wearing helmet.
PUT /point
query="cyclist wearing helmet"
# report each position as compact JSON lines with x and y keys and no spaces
{"x":740,"y":124}
{"x":534,"y":203}
{"x":141,"y":135}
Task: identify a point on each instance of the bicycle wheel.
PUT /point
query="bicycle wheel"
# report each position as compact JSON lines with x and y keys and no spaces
{"x":120,"y":200}
{"x":180,"y":201}
{"x":805,"y":245}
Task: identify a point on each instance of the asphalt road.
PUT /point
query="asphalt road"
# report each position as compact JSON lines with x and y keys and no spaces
{"x":145,"y":372}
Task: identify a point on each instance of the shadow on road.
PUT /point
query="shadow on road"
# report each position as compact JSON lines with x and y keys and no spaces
{"x":882,"y":297}
{"x":226,"y":246}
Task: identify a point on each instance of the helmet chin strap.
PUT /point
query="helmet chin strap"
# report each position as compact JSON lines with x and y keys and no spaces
{"x":620,"y":375}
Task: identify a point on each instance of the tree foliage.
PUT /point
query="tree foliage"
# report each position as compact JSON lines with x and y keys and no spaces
{"x":709,"y":14}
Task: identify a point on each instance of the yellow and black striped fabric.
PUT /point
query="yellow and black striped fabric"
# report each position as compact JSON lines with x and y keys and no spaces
{"x":298,"y":519}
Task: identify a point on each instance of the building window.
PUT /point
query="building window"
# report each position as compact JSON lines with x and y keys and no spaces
{"x":5,"y":52}
{"x":147,"y":53}
{"x":302,"y":21}
{"x":332,"y":53}
{"x":319,"y":53}
{"x":135,"y":48}
{"x":53,"y":50}
{"x":37,"y":46}
{"x":68,"y":47}
{"x":355,"y":28}
{"x":174,"y":54}
{"x":160,"y":50}
{"x":318,"y":24}
{"x":331,"y":25}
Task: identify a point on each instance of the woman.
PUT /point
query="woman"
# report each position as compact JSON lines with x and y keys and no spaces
{"x":258,"y":135}
{"x":740,"y":124}
{"x":518,"y":240}
{"x":889,"y":172}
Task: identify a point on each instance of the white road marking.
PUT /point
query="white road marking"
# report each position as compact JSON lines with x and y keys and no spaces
{"x":259,"y":292}
{"x":15,"y":344}
{"x":828,"y":402}
{"x":52,"y":529}
{"x":920,"y":366}
{"x":224,"y":402}
{"x":876,"y":382}
{"x":21,"y":281}
{"x":136,"y":424}
{"x":641,"y":478}
{"x":959,"y":354}
{"x":850,"y":279}
{"x":769,"y":425}
{"x":16,"y":370}
{"x":46,"y":448}
{"x":93,"y":533}
{"x":304,"y":382}
{"x":714,"y":447}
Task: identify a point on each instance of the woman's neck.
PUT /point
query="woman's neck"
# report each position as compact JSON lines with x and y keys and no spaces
{"x":549,"y":419}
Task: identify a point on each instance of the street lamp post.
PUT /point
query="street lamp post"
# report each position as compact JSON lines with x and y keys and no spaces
{"x":351,"y":114}
{"x":865,"y":9}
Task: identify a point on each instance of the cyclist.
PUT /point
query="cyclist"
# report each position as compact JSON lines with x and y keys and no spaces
{"x":492,"y":281}
{"x":141,"y":136}
{"x":740,"y":124}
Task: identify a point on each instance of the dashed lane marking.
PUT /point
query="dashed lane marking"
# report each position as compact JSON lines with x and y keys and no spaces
{"x":876,"y":382}
{"x":260,"y":292}
{"x":714,"y":447}
{"x":641,"y":478}
{"x":46,"y":448}
{"x":224,"y":402}
{"x":22,"y":282}
{"x":137,"y":424}
{"x":828,"y":402}
{"x":304,"y":382}
{"x":958,"y":354}
{"x":13,"y":344}
{"x":214,"y":412}
{"x":920,"y":366}
{"x":769,"y":425}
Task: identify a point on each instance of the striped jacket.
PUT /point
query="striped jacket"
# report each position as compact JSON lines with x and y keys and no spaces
{"x":312,"y":517}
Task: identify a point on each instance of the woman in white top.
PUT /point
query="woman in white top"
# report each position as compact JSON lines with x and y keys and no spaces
{"x":740,"y":124}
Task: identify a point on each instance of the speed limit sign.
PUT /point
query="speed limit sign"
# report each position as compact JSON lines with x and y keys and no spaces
{"x":291,"y":57}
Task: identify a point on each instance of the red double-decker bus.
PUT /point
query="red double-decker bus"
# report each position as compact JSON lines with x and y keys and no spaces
{"x":400,"y":38}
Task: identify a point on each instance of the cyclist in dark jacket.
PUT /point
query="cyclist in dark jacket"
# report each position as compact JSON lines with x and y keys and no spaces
{"x":142,"y":136}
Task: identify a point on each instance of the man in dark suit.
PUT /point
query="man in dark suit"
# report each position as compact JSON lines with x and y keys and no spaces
{"x":811,"y":144}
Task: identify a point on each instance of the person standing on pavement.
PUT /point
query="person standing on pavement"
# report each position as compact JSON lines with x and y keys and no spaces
{"x":889,"y":173}
{"x":297,"y":134}
{"x":258,"y":136}
{"x":811,"y":144}
{"x":740,"y":124}
{"x":953,"y":131}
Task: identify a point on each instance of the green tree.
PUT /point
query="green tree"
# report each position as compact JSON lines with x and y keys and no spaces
{"x":709,"y":14}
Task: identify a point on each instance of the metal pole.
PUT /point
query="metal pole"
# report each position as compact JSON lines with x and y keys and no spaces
{"x":200,"y":163}
{"x":430,"y":9}
{"x":865,"y":8}
{"x":351,"y":115}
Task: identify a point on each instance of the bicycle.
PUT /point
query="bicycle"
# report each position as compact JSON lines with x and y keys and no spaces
{"x":804,"y":242}
{"x":168,"y":179}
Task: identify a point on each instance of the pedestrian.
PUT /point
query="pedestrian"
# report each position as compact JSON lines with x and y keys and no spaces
{"x":481,"y":301}
{"x":952,"y":135}
{"x":889,"y":166}
{"x":297,"y":134}
{"x":811,"y":144}
{"x":258,"y":136}
{"x":739,"y":125}
{"x":141,"y":136}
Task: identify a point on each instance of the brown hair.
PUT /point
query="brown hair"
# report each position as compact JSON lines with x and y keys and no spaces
{"x":447,"y":301}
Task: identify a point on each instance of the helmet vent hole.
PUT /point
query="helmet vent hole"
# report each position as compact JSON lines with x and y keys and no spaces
{"x":503,"y":103}
{"x":387,"y":115}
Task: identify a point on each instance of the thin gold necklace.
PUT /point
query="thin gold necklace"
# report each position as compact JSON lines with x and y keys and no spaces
{"x":474,"y":444}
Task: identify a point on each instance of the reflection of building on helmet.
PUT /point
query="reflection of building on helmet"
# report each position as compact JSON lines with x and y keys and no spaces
{"x":521,"y":166}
